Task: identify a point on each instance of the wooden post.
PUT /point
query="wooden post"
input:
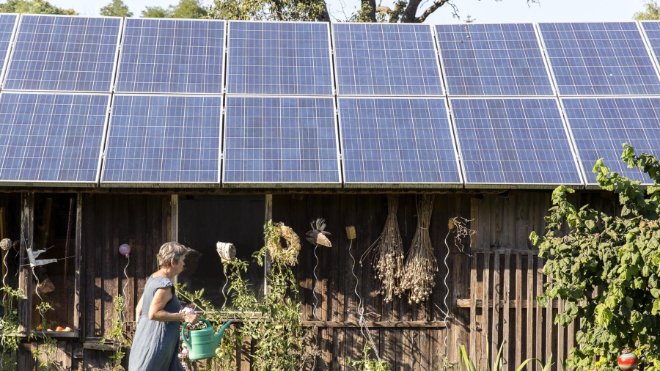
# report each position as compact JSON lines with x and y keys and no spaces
{"x":268,"y":215}
{"x":25,"y":277}
{"x":77,"y":312}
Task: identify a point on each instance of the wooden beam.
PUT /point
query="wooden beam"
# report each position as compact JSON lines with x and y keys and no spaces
{"x":77,"y":312}
{"x":25,"y":275}
{"x":377,"y":324}
{"x":268,"y":215}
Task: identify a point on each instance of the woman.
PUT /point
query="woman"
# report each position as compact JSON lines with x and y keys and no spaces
{"x":156,"y":340}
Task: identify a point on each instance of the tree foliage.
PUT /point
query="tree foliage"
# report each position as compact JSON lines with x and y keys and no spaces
{"x":116,"y":8}
{"x":183,"y":9}
{"x":651,"y":12}
{"x":33,"y":7}
{"x":607,"y":267}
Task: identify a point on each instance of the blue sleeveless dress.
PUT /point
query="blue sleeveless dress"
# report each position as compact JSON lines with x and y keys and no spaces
{"x":156,"y":344}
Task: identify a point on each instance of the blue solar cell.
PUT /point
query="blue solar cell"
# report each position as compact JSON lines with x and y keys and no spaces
{"x":652,"y":31}
{"x":51,"y":138}
{"x":171,"y":56}
{"x":397,"y":141}
{"x":385,"y":59}
{"x":64,"y":53}
{"x":513,"y":141}
{"x":7,"y":22}
{"x":599,"y":59}
{"x":279,"y":58}
{"x":163,"y":139}
{"x":493,"y":59}
{"x":601,"y":126}
{"x":280,"y":140}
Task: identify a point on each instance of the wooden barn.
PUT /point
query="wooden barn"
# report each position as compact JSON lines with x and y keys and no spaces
{"x":141,"y":131}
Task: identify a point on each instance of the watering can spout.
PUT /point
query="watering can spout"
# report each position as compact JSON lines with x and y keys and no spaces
{"x":218,"y":335}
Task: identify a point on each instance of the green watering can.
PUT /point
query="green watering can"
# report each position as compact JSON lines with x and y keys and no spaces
{"x":202,"y":343}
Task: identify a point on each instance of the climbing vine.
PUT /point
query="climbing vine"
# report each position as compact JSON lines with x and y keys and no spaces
{"x":607,"y":267}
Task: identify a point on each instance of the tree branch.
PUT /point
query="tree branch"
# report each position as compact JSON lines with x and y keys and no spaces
{"x":411,"y":10}
{"x":436,"y":4}
{"x":368,"y":9}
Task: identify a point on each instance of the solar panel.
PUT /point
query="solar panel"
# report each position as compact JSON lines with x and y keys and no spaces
{"x":163,"y":139}
{"x":513,"y":141}
{"x":7,"y":23}
{"x":599,"y":59}
{"x":51,"y":138}
{"x":492,"y":59}
{"x":279,"y":58}
{"x":171,"y":56}
{"x":385,"y":59}
{"x":284,"y":140}
{"x":397,"y":141}
{"x":64,"y":54}
{"x":601,"y":126}
{"x":652,"y":31}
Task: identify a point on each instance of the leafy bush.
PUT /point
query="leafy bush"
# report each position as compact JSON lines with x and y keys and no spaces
{"x":607,"y":267}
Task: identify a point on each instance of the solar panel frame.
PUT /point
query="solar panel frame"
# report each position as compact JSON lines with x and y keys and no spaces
{"x":123,"y":52}
{"x":10,"y":41}
{"x":8,"y":80}
{"x":279,"y":184}
{"x":161,"y":183}
{"x":613,"y":162}
{"x":230,"y":89}
{"x":651,"y":33}
{"x":565,"y":89}
{"x":515,"y":185}
{"x":354,"y":93}
{"x":64,"y":183}
{"x":442,"y":52}
{"x":403,"y":184}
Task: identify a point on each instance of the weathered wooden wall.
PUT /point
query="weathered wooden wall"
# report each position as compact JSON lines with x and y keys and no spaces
{"x":490,"y":296}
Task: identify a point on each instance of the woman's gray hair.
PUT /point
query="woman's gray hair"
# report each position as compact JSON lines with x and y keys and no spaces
{"x":171,"y":251}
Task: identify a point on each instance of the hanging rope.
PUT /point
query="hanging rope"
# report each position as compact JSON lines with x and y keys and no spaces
{"x":316,"y":279}
{"x":362,"y":322}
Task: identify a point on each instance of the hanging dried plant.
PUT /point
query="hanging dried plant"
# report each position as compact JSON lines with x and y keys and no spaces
{"x":387,"y":253}
{"x":418,"y":277}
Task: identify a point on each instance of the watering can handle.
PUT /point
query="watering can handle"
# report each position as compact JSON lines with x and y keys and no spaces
{"x":186,"y":337}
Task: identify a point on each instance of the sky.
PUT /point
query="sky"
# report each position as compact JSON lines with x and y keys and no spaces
{"x":482,"y":11}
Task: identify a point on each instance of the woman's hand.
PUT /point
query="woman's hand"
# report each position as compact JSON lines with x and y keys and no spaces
{"x":188,"y":315}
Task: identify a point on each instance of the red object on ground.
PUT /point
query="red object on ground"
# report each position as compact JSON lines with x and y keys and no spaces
{"x":627,"y":361}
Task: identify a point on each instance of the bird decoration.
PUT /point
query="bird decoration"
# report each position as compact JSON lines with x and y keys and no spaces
{"x":32,"y":257}
{"x":317,"y":235}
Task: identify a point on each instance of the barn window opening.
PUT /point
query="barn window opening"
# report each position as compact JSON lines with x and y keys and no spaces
{"x":52,"y":262}
{"x":205,"y":220}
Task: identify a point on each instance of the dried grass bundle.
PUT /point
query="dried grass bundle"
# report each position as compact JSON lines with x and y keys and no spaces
{"x":421,"y":266}
{"x":388,"y":253}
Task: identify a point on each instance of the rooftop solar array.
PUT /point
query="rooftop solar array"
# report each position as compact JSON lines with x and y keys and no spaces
{"x":308,"y":104}
{"x":171,"y":56}
{"x":288,"y":140}
{"x":652,"y":31}
{"x":279,"y":58}
{"x":493,"y":59}
{"x":385,"y":59}
{"x":51,"y":137}
{"x":599,"y":59}
{"x":163,"y":139}
{"x":513,"y":141}
{"x":397,"y":141}
{"x":64,"y":54}
{"x":7,"y":23}
{"x":600,"y":127}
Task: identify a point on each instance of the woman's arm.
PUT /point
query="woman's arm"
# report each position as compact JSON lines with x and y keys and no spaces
{"x":138,"y":308}
{"x":157,"y":310}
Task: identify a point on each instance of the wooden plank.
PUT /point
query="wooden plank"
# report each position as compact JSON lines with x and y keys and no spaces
{"x":25,"y":276}
{"x":570,"y":339}
{"x":506,"y":321}
{"x":518,"y":338}
{"x":560,"y":335}
{"x":485,"y":340}
{"x":530,"y":306}
{"x":495,"y":324}
{"x":77,"y":312}
{"x":539,"y":312}
{"x":473,"y":307}
{"x":549,"y":328}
